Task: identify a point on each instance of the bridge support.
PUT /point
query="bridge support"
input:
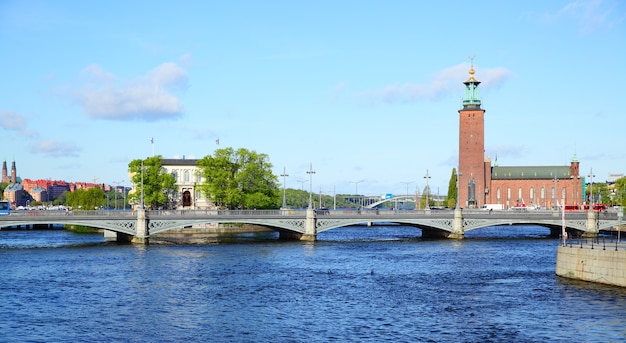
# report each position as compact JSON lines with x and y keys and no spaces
{"x":457,"y":225}
{"x":142,"y":234}
{"x":592,"y":224}
{"x":310,"y":230}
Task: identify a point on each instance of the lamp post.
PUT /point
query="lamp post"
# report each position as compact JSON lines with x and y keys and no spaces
{"x":302,"y":188}
{"x":591,"y":188}
{"x":116,"y":183}
{"x":427,"y":190}
{"x":310,"y":172}
{"x":142,"y":204}
{"x":458,"y":189}
{"x":356,"y":189}
{"x":407,"y":183}
{"x":554,"y":192}
{"x":284,"y":175}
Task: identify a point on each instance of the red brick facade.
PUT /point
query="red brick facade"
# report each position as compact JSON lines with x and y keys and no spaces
{"x":481,"y":183}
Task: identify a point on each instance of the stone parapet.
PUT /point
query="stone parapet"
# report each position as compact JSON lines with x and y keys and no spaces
{"x":601,"y":264}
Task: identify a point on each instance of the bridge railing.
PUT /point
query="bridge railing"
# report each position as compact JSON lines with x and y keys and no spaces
{"x":57,"y":213}
{"x":604,"y":242}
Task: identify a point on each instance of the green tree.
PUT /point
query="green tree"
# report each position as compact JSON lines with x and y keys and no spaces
{"x":620,"y":191}
{"x":452,"y":190}
{"x":239,"y":179}
{"x":426,"y":194}
{"x":158,"y":186}
{"x":86,"y":199}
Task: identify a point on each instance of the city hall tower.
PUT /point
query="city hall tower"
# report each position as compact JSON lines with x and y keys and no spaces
{"x":471,"y":169}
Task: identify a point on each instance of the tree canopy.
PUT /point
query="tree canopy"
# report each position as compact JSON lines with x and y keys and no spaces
{"x":157,"y":184}
{"x":452,"y":190}
{"x":239,"y":179}
{"x":86,"y":199}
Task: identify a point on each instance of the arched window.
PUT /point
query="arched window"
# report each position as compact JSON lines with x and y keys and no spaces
{"x":186,"y":176}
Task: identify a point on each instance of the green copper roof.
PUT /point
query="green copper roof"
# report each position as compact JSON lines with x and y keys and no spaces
{"x":471,"y":98}
{"x":536,"y":173}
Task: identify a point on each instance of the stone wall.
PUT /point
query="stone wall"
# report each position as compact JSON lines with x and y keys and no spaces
{"x":600,"y":264}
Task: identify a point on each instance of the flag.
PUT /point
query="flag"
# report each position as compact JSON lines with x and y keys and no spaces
{"x":152,"y":140}
{"x":217,"y":141}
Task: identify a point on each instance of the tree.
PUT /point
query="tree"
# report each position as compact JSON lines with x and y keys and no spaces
{"x":452,"y":190}
{"x":620,"y":191}
{"x":157,"y":185}
{"x":426,"y":194}
{"x":86,"y":199}
{"x":239,"y":179}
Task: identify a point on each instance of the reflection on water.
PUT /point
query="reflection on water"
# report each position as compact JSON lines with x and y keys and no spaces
{"x":354,"y":284}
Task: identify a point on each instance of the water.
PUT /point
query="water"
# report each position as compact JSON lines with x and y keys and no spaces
{"x":356,"y":284}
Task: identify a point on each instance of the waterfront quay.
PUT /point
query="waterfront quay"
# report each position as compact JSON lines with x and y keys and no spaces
{"x":600,"y":260}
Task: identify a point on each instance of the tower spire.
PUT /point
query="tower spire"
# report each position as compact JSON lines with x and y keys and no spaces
{"x":472,"y":98}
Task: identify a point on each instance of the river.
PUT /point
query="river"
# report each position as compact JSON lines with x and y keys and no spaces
{"x":357,"y":284}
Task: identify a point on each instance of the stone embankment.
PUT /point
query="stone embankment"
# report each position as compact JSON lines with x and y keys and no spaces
{"x":593,"y":260}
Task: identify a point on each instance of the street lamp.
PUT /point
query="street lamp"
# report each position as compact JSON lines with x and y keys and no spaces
{"x":427,"y":189}
{"x":458,"y":189}
{"x":302,"y":188}
{"x":310,"y":172}
{"x":142,"y":203}
{"x":356,"y":189}
{"x":284,"y":175}
{"x":591,"y":188}
{"x":554,"y":192}
{"x":407,"y":183}
{"x":116,"y":183}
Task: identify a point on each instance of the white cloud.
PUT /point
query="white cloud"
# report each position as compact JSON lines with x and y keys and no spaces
{"x":10,"y":120}
{"x":593,"y":14}
{"x":148,"y":97}
{"x":442,"y":83}
{"x":13,"y":121}
{"x":52,"y":148}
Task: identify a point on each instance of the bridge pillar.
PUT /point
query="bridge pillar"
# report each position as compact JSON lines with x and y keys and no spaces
{"x":142,"y":234}
{"x":310,"y":230}
{"x":457,"y":225}
{"x":592,"y":224}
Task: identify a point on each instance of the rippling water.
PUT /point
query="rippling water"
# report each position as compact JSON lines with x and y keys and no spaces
{"x":358,"y":284}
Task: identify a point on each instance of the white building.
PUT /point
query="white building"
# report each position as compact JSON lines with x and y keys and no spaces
{"x":188,"y":180}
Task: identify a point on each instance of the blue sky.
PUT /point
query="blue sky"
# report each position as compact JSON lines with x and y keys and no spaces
{"x":367,"y":92}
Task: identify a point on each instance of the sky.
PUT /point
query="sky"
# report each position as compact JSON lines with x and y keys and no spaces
{"x":363,"y":93}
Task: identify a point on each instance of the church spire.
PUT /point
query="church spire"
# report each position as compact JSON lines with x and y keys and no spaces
{"x":472,"y":98}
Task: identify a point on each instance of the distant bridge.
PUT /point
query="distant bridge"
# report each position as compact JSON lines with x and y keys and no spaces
{"x":306,"y":224}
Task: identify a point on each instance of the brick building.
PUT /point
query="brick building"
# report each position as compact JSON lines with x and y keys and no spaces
{"x":480,"y":182}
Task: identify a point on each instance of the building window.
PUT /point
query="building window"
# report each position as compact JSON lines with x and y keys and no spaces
{"x":175,"y":175}
{"x":532,"y":195}
{"x":186,"y":176}
{"x":498,"y":195}
{"x":520,"y":196}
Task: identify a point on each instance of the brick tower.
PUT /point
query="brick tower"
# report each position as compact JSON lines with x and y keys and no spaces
{"x":13,"y":173}
{"x":5,"y":176}
{"x":471,"y":147}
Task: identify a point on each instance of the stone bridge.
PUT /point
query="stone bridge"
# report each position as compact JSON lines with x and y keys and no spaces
{"x":306,"y":224}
